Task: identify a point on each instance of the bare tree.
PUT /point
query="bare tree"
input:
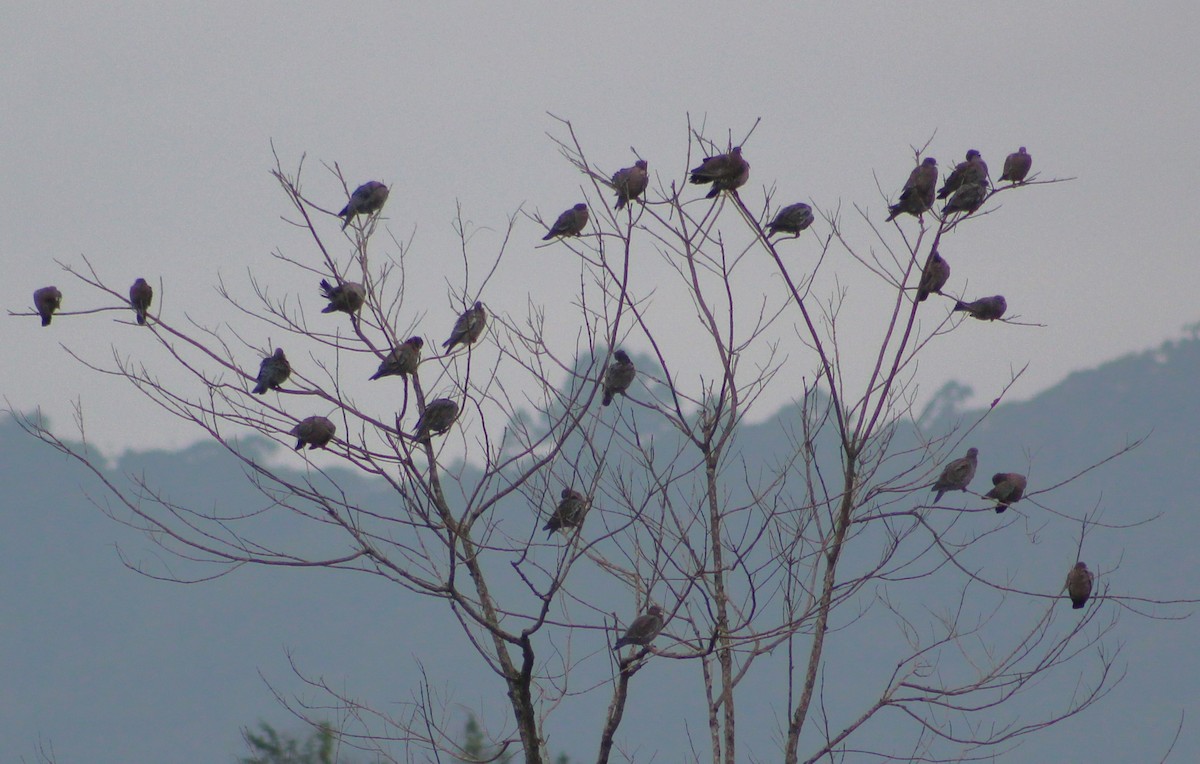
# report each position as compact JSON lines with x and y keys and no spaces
{"x":749,"y":569}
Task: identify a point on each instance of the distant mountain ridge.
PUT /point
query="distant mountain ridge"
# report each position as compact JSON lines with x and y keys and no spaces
{"x":111,"y":666}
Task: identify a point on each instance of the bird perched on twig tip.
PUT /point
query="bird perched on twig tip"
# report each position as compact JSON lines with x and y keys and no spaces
{"x":140,"y":296}
{"x":47,"y":300}
{"x":272,"y":372}
{"x":643,"y":630}
{"x":726,"y":172}
{"x":957,"y":475}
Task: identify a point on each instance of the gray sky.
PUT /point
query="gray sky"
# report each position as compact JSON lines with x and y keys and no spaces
{"x":140,"y":137}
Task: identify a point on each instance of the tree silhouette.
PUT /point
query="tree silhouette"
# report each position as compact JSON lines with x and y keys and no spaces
{"x":758,"y":568}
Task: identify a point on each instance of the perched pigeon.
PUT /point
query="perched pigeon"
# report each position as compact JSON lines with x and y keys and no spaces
{"x":1009,"y":487}
{"x":618,"y":376}
{"x":933,"y":277}
{"x":956,"y":476}
{"x":47,"y":300}
{"x":346,"y":297}
{"x":569,"y":512}
{"x":977,"y":172}
{"x":402,"y":360}
{"x":917,"y":195}
{"x":366,"y":199}
{"x":985,"y":308}
{"x":792,"y":219}
{"x":726,"y":172}
{"x":314,"y":432}
{"x":968,"y":198}
{"x":436,"y":418}
{"x":140,"y":295}
{"x":643,"y":630}
{"x":468,"y":327}
{"x":570,"y":223}
{"x":1017,"y":165}
{"x":1079,"y":585}
{"x":630,"y":182}
{"x":973,"y":171}
{"x":272,"y":372}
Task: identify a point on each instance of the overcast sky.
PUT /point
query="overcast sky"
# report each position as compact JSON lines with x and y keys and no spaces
{"x":140,"y":137}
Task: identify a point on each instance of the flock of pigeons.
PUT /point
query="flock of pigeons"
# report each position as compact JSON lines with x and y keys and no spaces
{"x":965,"y":188}
{"x":1007,"y":488}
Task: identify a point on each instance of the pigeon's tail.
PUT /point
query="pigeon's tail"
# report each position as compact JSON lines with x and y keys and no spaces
{"x":299,"y":443}
{"x":895,"y":212}
{"x":260,"y":389}
{"x":1000,"y":508}
{"x":328,"y":309}
{"x":922,"y":295}
{"x":943,"y":192}
{"x":938,"y":498}
{"x":449,"y":344}
{"x":46,"y":319}
{"x":713,"y":192}
{"x":960,"y":305}
{"x":376,"y":375}
{"x":608,"y":398}
{"x":620,"y":203}
{"x":1077,"y":605}
{"x":141,"y":316}
{"x":621,"y":643}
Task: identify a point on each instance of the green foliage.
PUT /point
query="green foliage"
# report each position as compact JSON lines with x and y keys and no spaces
{"x":476,"y":748}
{"x":269,"y":747}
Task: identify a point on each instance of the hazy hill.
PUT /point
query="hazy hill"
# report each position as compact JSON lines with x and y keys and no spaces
{"x":111,"y":666}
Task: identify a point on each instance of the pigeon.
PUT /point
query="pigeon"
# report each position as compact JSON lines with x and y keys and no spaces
{"x":792,"y":219}
{"x":977,"y":172}
{"x":985,"y":308}
{"x":968,"y":198}
{"x":917,"y":195}
{"x":436,"y":418}
{"x":570,"y":223}
{"x":726,"y":172}
{"x":366,"y":199}
{"x":1008,"y":488}
{"x":630,"y":182}
{"x":140,"y":295}
{"x":314,"y":432}
{"x":618,"y":376}
{"x":643,"y":630}
{"x":933,"y":277}
{"x":1079,"y":585}
{"x":468,"y":327}
{"x":402,"y":360}
{"x":1016,"y":166}
{"x":47,"y":300}
{"x":973,"y":171}
{"x":956,"y":476}
{"x":272,"y":372}
{"x":569,"y":512}
{"x":347,"y":297}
